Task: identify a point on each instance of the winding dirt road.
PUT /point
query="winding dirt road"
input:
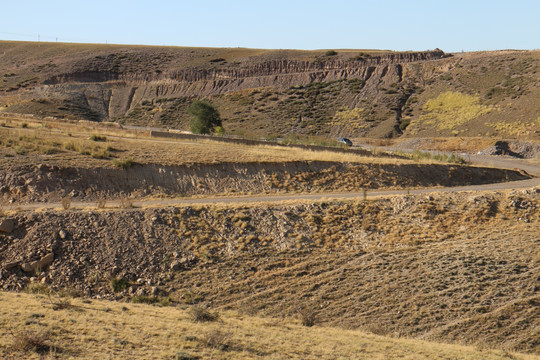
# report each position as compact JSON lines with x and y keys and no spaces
{"x":527,"y":166}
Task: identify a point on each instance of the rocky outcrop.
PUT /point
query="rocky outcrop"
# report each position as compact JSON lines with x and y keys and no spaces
{"x":341,"y":68}
{"x":111,"y":94}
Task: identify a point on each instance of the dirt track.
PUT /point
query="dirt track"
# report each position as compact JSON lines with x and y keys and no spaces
{"x":482,"y":160}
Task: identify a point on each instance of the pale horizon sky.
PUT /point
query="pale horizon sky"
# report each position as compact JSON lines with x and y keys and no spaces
{"x":452,"y":26}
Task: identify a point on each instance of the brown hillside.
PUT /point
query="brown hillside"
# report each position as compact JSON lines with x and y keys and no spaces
{"x":279,"y":92}
{"x":446,"y":267}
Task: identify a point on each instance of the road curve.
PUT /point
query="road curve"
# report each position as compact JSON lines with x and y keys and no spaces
{"x":523,"y":184}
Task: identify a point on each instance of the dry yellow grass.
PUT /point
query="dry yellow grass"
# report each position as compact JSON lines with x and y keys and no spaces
{"x":450,"y":110}
{"x":101,"y":330}
{"x":70,"y":144}
{"x":516,"y":128}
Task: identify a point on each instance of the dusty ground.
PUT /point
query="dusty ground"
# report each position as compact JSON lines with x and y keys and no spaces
{"x":447,"y":267}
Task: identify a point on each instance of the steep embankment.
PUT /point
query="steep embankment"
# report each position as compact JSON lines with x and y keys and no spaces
{"x":50,"y":182}
{"x":448,"y":267}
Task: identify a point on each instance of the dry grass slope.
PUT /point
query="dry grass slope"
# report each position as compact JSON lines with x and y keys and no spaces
{"x":93,"y":329}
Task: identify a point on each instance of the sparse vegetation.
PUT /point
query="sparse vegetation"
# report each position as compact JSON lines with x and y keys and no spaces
{"x":100,"y":203}
{"x":124,"y":164}
{"x":96,"y":137}
{"x":235,"y":337}
{"x":200,"y":313}
{"x":452,"y":109}
{"x":452,"y":267}
{"x":32,"y":341}
{"x":126,"y":202}
{"x":428,"y":156}
{"x":217,"y":339}
{"x":66,"y":203}
{"x":119,"y":285}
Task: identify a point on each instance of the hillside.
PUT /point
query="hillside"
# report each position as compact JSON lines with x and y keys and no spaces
{"x":265,"y":93}
{"x":63,"y":328}
{"x":444,"y":267}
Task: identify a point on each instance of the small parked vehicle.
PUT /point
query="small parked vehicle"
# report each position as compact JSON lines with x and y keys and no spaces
{"x":345,"y":141}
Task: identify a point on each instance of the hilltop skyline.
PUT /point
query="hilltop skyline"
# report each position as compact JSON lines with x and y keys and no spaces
{"x":390,"y":24}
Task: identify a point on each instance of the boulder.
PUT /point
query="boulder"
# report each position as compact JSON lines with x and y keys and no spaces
{"x":11,"y":265}
{"x":38,"y":265}
{"x":7,"y":225}
{"x":26,"y":267}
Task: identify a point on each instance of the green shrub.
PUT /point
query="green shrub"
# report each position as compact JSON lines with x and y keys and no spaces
{"x":404,"y":123}
{"x":330,"y":53}
{"x":204,"y":117}
{"x":119,"y":284}
{"x":219,"y":130}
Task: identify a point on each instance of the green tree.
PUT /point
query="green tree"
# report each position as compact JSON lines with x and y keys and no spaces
{"x":204,"y":117}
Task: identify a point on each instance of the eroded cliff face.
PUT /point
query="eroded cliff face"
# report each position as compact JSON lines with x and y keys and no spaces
{"x":112,"y":87}
{"x":265,"y":93}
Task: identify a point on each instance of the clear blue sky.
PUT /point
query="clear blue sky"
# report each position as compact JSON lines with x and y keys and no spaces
{"x":452,"y":25}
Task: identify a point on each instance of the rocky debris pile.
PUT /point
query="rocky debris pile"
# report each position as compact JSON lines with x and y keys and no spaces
{"x":514,"y":148}
{"x":86,"y":250}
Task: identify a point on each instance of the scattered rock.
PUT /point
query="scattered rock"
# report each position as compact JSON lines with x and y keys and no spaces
{"x":38,"y":265}
{"x":140,"y":291}
{"x":62,"y":234}
{"x":11,"y":265}
{"x":26,"y":267}
{"x":7,"y":225}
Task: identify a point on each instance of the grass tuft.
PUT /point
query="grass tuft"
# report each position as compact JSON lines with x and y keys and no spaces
{"x":123,"y":164}
{"x":200,"y":313}
{"x":32,"y":341}
{"x":66,"y":203}
{"x":308,"y":316}
{"x":218,"y":339}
